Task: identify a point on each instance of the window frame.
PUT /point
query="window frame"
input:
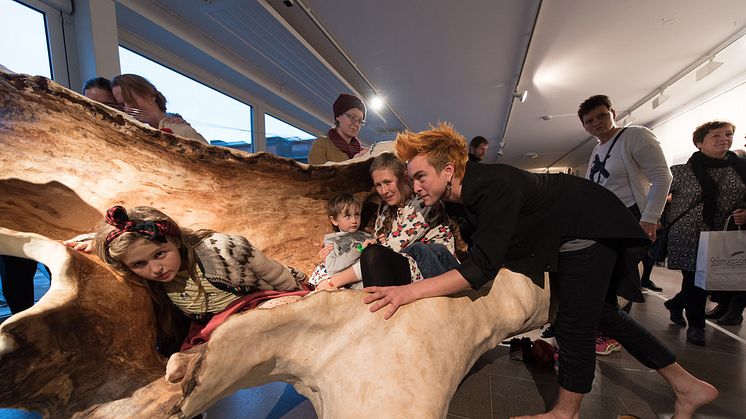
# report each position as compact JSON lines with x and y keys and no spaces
{"x":55,"y":33}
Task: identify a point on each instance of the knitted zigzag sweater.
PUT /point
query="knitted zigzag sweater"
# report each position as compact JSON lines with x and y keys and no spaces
{"x":231,"y":263}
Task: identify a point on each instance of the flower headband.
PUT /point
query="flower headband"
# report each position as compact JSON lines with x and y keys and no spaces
{"x":116,"y":217}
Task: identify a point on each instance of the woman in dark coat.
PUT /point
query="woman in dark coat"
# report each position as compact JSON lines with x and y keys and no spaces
{"x":709,"y":188}
{"x":530,"y":224}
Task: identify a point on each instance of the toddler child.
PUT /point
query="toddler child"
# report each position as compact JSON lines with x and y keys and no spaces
{"x":346,"y":243}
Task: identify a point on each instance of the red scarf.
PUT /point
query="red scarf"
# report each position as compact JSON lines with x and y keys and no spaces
{"x":350,"y":149}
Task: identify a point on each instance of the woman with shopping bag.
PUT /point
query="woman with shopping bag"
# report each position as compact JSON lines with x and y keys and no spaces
{"x":705,"y":191}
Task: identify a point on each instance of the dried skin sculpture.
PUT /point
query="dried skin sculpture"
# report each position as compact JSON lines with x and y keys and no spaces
{"x":351,"y":363}
{"x":86,"y":349}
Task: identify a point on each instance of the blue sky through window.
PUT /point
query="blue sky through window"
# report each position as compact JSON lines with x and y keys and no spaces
{"x":24,"y":49}
{"x":277,"y":128}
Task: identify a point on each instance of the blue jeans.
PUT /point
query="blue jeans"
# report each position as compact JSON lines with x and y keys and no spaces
{"x":432,"y":259}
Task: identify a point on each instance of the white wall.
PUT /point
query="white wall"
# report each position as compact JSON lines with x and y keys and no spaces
{"x":675,"y":134}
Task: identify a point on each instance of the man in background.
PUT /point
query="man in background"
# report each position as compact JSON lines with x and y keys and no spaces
{"x":630,"y":163}
{"x":478,"y":148}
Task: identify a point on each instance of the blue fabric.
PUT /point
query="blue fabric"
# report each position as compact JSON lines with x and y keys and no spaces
{"x":432,"y":259}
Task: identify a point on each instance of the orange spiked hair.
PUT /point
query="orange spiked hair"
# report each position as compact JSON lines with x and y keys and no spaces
{"x":441,"y":145}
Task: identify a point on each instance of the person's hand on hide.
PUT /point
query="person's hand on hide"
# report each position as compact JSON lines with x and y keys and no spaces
{"x":81,"y":245}
{"x":324,"y":285}
{"x":394,"y":297}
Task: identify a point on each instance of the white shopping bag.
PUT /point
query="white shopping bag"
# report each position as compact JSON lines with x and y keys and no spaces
{"x":721,"y":260}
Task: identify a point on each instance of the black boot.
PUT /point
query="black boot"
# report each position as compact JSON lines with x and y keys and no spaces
{"x":731,"y":318}
{"x":675,"y":312}
{"x":650,"y":285}
{"x":717,"y":312}
{"x":696,"y":335}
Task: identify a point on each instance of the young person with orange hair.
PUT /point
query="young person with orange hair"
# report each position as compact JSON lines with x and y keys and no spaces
{"x":532,"y":223}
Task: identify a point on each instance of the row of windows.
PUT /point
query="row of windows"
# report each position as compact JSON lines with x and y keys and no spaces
{"x":218,"y":117}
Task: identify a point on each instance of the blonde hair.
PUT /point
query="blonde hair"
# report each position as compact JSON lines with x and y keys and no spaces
{"x":441,"y":145}
{"x":112,"y":252}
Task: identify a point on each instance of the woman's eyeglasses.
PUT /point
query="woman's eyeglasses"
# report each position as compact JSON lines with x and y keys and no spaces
{"x":353,"y":119}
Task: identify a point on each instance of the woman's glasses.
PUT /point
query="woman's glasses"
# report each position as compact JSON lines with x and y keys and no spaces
{"x":353,"y":119}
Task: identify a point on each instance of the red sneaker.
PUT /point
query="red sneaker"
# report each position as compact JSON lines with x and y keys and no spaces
{"x":606,"y":346}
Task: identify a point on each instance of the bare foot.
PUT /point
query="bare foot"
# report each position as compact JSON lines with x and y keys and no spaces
{"x":691,"y":396}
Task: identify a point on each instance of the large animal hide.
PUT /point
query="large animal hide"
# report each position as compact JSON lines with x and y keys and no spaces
{"x":86,"y":349}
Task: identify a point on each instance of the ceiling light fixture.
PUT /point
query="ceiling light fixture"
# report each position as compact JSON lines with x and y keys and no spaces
{"x":521,"y":96}
{"x":376,"y":103}
{"x":550,"y":117}
{"x":660,"y":99}
{"x":708,"y":68}
{"x":530,"y":155}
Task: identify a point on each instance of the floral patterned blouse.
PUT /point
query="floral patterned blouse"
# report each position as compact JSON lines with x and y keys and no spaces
{"x":411,"y":226}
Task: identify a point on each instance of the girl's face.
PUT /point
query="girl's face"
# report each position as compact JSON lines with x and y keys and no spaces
{"x":717,"y":142}
{"x":348,"y":220}
{"x":146,"y":104}
{"x":387,"y":186}
{"x":154,"y":261}
{"x":428,"y":183}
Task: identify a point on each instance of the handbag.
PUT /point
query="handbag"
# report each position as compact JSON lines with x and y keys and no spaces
{"x":721,"y":260}
{"x":659,"y":249}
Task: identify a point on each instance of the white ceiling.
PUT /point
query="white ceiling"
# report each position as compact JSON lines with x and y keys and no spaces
{"x":456,"y":61}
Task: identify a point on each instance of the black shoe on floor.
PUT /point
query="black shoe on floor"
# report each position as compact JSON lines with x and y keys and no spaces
{"x":717,"y":312}
{"x":548,"y":332}
{"x":731,"y":319}
{"x":651,"y":286}
{"x":675,"y":313}
{"x":696,"y":335}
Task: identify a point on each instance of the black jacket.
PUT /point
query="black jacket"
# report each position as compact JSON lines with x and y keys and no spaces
{"x":521,"y":219}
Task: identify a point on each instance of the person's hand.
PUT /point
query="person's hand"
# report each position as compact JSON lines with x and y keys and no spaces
{"x":739,"y":216}
{"x":324,"y":285}
{"x":364,"y":152}
{"x":325,"y":250}
{"x":85,"y":246}
{"x":393,"y":296}
{"x":649,"y":229}
{"x":369,"y":242}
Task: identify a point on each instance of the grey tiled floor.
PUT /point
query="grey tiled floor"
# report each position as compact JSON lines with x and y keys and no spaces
{"x":499,"y":387}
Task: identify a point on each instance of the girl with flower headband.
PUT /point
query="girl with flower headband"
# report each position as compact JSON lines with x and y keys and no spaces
{"x":201,"y":273}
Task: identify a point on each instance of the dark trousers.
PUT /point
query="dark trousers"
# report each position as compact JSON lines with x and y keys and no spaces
{"x":692,"y":299}
{"x":17,"y":275}
{"x":583,"y":280}
{"x":383,"y":267}
{"x":647,"y":267}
